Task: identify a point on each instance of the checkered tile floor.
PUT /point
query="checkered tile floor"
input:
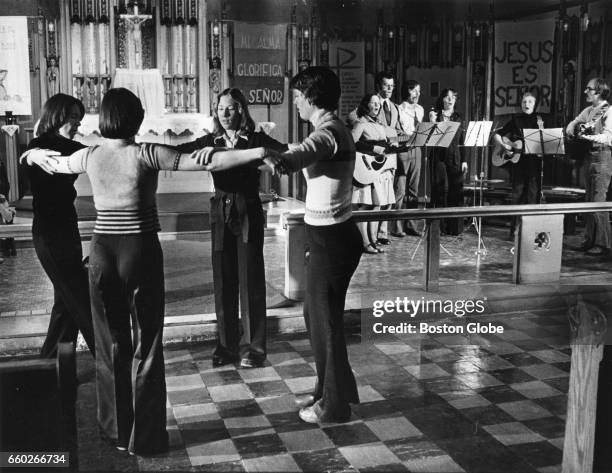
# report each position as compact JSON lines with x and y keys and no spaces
{"x":431,"y":404}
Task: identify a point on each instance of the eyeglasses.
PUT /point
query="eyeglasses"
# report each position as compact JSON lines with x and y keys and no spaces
{"x":592,"y":89}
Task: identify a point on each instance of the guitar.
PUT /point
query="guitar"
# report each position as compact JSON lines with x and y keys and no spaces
{"x":388,"y":147}
{"x":502,"y":156}
{"x":369,"y":166}
{"x":577,"y":146}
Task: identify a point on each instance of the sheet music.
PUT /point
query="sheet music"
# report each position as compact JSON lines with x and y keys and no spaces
{"x":550,"y":142}
{"x":421,"y":134}
{"x":443,"y":134}
{"x":478,"y":133}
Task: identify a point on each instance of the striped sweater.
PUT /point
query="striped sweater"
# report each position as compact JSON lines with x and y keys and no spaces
{"x":124,"y":183}
{"x":327,"y":157}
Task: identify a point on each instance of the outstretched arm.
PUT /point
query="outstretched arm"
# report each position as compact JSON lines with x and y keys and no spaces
{"x":219,"y":159}
{"x":52,"y":162}
{"x":319,"y":145}
{"x":205,"y":159}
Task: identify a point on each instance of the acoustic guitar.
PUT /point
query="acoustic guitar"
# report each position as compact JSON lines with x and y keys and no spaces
{"x":578,"y":147}
{"x":368,"y":167}
{"x":389,"y":147}
{"x":502,"y":156}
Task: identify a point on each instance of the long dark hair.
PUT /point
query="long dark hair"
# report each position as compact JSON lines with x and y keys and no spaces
{"x":55,"y":113}
{"x":440,"y":104}
{"x":247,"y":124}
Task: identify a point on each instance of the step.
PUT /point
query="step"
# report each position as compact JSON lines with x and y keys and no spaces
{"x":24,"y":334}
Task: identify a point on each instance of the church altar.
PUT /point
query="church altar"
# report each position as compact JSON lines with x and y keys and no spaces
{"x":170,"y":129}
{"x":192,"y":124}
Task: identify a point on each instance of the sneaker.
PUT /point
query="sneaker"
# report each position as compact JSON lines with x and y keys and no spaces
{"x":308,"y":414}
{"x":306,"y":400}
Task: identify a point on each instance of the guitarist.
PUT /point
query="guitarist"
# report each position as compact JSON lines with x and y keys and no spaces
{"x":525,"y":174}
{"x":594,"y":124}
{"x":379,"y":195}
{"x":389,"y":116}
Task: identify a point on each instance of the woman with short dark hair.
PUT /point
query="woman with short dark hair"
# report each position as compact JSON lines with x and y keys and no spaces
{"x":237,"y":228}
{"x":126,"y":267}
{"x":525,"y":174}
{"x":333,"y":243}
{"x":379,"y":194}
{"x":55,"y":231}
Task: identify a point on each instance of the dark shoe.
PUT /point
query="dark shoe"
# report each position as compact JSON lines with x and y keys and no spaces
{"x":598,"y":251}
{"x":416,"y":233}
{"x":305,"y":401}
{"x":150,"y":450}
{"x":582,"y":247}
{"x":383,"y":241}
{"x":398,"y":234}
{"x":251,"y":362}
{"x":223,"y":359}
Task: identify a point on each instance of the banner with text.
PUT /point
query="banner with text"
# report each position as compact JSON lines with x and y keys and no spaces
{"x":524,"y":53}
{"x":348,"y":61}
{"x":260,"y":60}
{"x":14,"y":66}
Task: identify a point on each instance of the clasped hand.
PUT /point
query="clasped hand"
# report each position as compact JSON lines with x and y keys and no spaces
{"x":46,"y":159}
{"x":274,"y":161}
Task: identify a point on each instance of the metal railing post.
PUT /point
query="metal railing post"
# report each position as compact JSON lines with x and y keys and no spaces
{"x":431,"y":263}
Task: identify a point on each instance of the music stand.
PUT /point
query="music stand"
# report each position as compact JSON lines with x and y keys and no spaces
{"x":543,"y":141}
{"x":477,"y":136}
{"x":432,"y":134}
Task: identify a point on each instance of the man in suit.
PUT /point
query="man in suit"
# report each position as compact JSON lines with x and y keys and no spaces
{"x":389,"y":115}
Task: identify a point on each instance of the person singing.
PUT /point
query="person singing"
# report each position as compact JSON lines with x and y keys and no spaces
{"x":448,"y":164}
{"x":525,"y":174}
{"x":597,"y":124}
{"x":379,"y":194}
